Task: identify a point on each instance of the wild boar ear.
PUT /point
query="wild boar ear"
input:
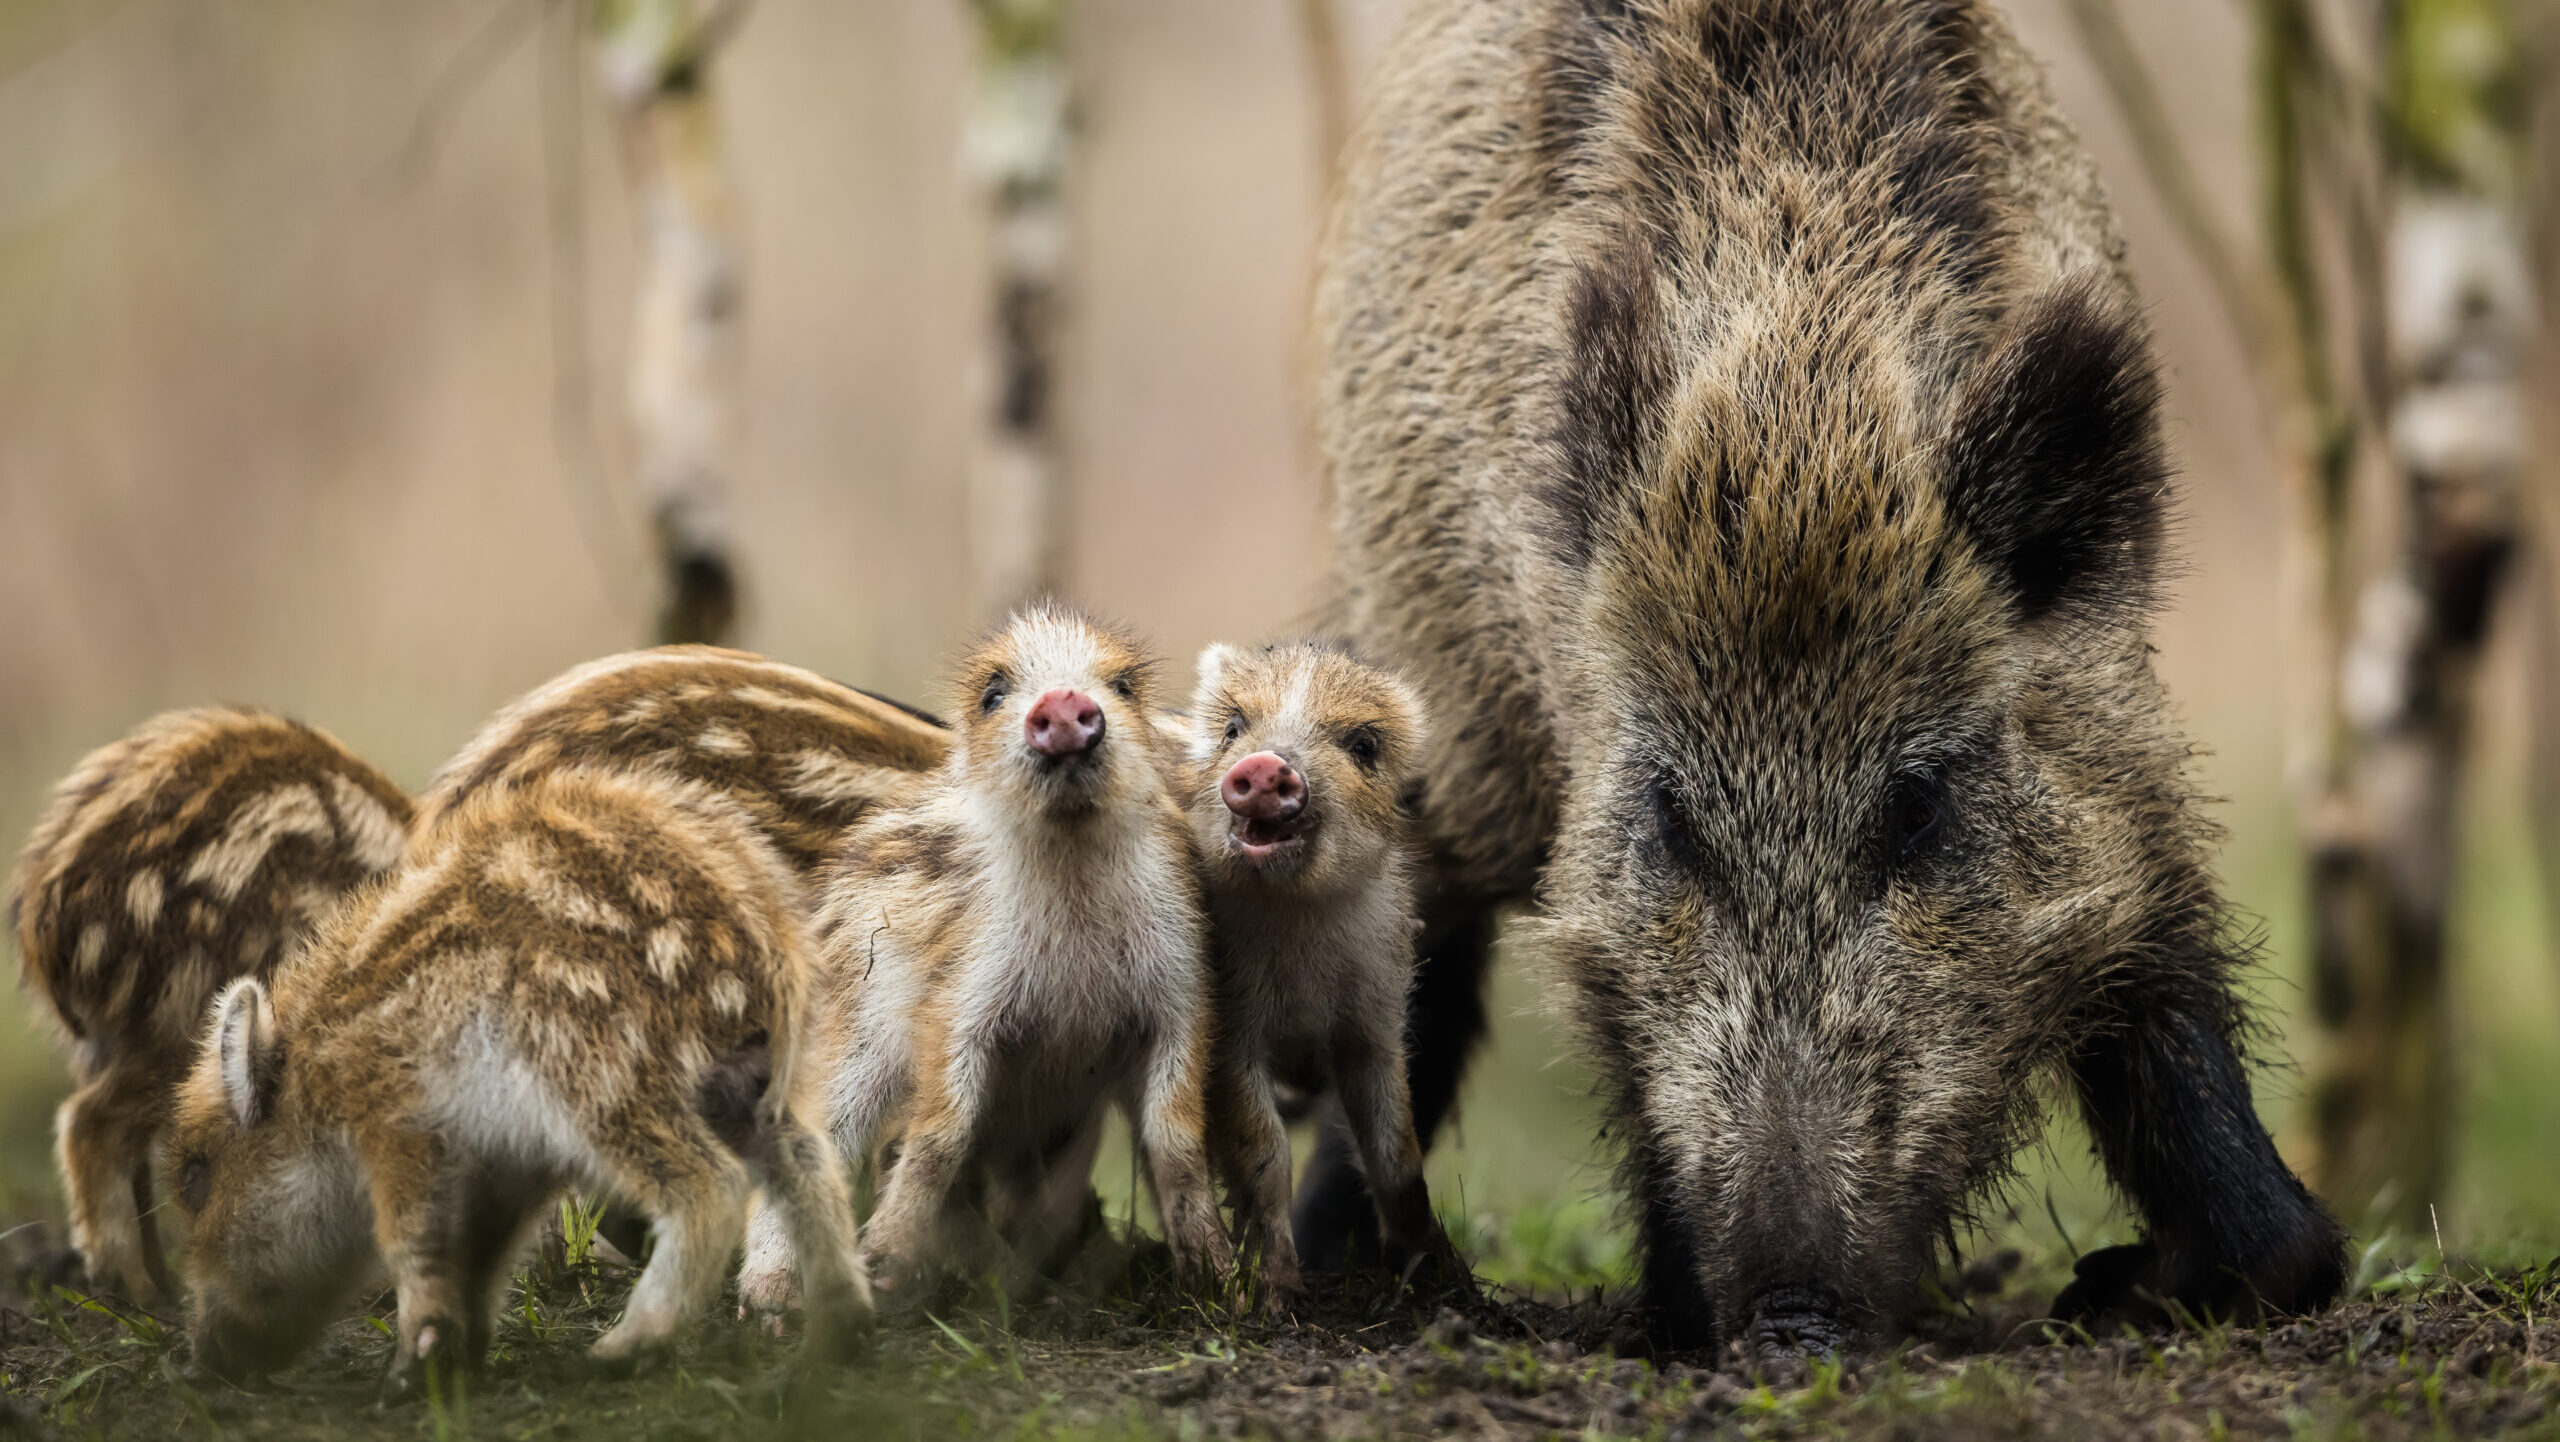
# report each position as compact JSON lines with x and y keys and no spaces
{"x":2055,"y":463}
{"x":1412,"y":716}
{"x":251,"y":1053}
{"x":1616,"y":386}
{"x":1213,"y":674}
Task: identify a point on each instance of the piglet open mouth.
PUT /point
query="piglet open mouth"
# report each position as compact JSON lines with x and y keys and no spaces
{"x":1263,"y":840}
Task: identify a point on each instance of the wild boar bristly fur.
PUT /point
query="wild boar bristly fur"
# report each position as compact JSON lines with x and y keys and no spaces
{"x":1745,"y":436}
{"x":201,"y":847}
{"x":591,"y":980}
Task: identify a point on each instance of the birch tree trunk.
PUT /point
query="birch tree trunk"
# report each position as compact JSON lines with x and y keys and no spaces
{"x":2434,"y":273}
{"x":655,"y":59}
{"x":1018,"y":145}
{"x":2390,"y":364}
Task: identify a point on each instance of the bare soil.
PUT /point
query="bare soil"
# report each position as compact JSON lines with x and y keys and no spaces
{"x":2444,"y":1357}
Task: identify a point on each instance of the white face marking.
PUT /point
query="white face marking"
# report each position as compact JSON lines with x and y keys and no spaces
{"x":92,"y":948}
{"x":729,"y":995}
{"x":227,"y":864}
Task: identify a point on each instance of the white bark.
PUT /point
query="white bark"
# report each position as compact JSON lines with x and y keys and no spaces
{"x":655,"y":57}
{"x":1017,"y":152}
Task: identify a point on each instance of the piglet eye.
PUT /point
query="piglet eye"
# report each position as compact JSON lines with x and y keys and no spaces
{"x":1125,"y":687}
{"x":195,"y":1183}
{"x":998,"y":687}
{"x":1363,"y":746}
{"x":1915,"y":814}
{"x":1235,"y":726}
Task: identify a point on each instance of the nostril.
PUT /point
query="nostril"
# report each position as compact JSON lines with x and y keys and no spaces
{"x":1796,"y":1322}
{"x":1063,"y":722}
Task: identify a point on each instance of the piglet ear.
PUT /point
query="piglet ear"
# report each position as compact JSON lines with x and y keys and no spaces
{"x":2055,"y":464}
{"x":1213,"y":674}
{"x":251,"y":1053}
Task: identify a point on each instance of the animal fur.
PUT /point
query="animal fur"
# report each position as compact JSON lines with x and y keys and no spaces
{"x":803,"y":755}
{"x":1010,"y":950}
{"x":591,"y":980}
{"x":199,"y":849}
{"x":1311,"y":919}
{"x":1743,"y":433}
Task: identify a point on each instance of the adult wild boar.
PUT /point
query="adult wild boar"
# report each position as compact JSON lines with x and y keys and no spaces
{"x":1743,"y":430}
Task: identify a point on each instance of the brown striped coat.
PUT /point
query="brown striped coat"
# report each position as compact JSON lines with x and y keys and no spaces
{"x":590,"y":979}
{"x":804,"y":756}
{"x":198,"y":849}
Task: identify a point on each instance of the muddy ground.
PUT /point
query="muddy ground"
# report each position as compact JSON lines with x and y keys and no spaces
{"x":2465,"y":1353}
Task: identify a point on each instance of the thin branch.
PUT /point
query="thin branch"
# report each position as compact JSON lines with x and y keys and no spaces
{"x":2239,"y":282}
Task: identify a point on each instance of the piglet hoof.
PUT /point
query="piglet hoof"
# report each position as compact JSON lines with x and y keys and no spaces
{"x":1283,"y":1300}
{"x":836,"y":1337}
{"x":617,"y":1357}
{"x":899,"y":1288}
{"x":2114,"y":1284}
{"x":766,"y":1296}
{"x":1436,"y":1270}
{"x":425,"y":1369}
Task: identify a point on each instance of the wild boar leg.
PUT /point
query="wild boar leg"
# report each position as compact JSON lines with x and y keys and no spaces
{"x":943,"y":1123}
{"x":421,"y":1202}
{"x":804,"y":1184}
{"x":1371,"y":1079}
{"x":103,"y":1137}
{"x":2233,"y":1232}
{"x":694,"y":1190}
{"x":500,"y":1208}
{"x":1173,"y":1127}
{"x":1444,"y":1020}
{"x":1256,"y":1160}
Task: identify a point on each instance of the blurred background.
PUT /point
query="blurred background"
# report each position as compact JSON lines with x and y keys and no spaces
{"x":375,"y":362}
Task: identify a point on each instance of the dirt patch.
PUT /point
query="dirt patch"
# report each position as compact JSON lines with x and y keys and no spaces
{"x":2476,"y":1356}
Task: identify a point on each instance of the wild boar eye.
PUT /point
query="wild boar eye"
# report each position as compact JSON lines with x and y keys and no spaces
{"x":195,"y":1183}
{"x":1235,"y":727}
{"x":1673,"y":828}
{"x":1363,"y":746}
{"x":1915,"y":814}
{"x":998,"y":687}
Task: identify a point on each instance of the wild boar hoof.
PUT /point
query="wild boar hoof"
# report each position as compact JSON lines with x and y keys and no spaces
{"x":2114,"y":1283}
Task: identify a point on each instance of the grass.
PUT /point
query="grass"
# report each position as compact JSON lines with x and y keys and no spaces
{"x":2449,"y":1334}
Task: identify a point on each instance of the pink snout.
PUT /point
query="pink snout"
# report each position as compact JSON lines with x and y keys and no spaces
{"x":1262,"y":787}
{"x":1063,"y":722}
